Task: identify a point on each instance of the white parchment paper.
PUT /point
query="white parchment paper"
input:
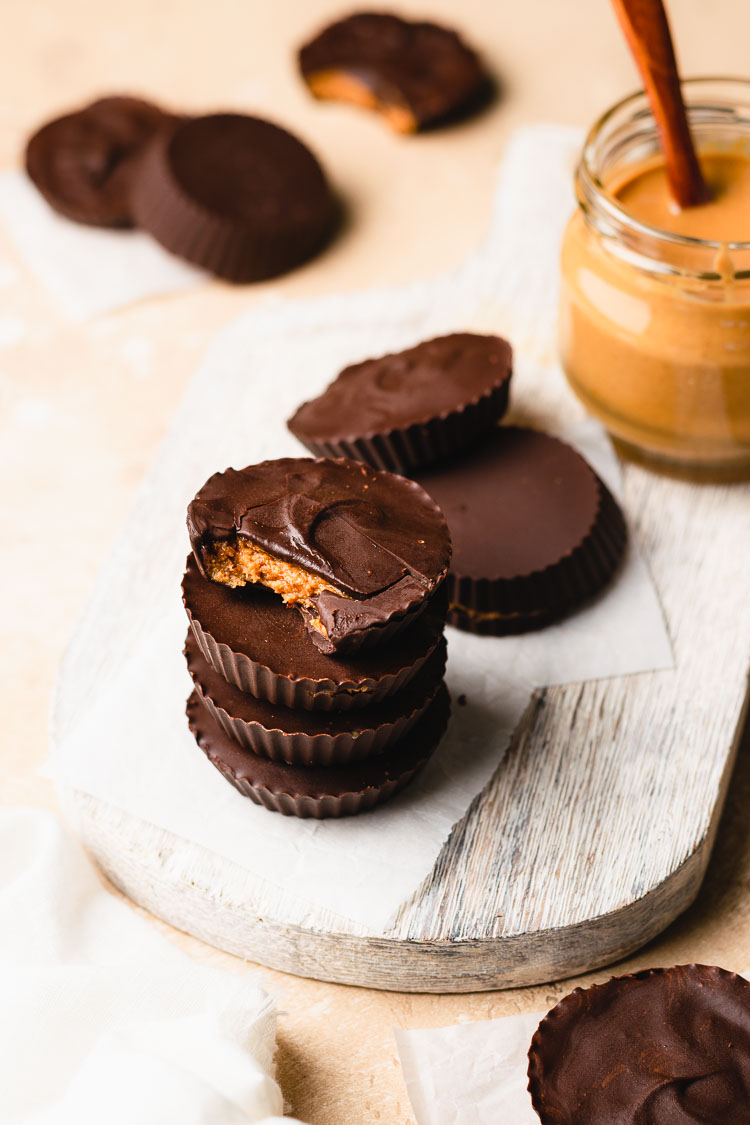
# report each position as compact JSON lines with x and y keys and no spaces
{"x":120,"y":732}
{"x":88,"y":270}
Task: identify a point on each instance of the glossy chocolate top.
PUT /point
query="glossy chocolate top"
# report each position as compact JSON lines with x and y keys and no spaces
{"x":661,"y":1047}
{"x":431,"y":380}
{"x":321,"y":781}
{"x":425,"y":66}
{"x":241,"y":705}
{"x":249,"y":171}
{"x":364,"y":531}
{"x":255,"y":622}
{"x":83,"y":163}
{"x":519,"y":504}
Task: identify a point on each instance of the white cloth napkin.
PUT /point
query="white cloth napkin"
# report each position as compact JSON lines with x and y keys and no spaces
{"x":129,"y":648}
{"x":470,"y":1073}
{"x":102,"y":1018}
{"x":88,"y":270}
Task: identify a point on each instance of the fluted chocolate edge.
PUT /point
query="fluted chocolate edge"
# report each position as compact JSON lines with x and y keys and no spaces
{"x":329,"y":805}
{"x":310,"y":695}
{"x":402,"y":450}
{"x":210,"y":241}
{"x":498,"y":607}
{"x":570,"y":1006}
{"x":325,"y":749}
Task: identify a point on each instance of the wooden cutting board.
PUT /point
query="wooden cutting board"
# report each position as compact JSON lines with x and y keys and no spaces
{"x":596,"y":830}
{"x":593,"y":835}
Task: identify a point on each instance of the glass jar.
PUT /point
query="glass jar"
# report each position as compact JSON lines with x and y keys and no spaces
{"x":655,"y":326}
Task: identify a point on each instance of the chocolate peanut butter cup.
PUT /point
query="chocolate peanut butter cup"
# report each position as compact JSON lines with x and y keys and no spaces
{"x":84,"y":163}
{"x":535,"y":531}
{"x":404,"y":410}
{"x":360,"y":553}
{"x":310,"y":791}
{"x":319,"y":738}
{"x":249,"y":636}
{"x":414,"y":74}
{"x":236,"y":195}
{"x":660,"y":1047}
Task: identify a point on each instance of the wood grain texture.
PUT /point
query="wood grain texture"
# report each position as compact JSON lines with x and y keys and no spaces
{"x":593,"y":835}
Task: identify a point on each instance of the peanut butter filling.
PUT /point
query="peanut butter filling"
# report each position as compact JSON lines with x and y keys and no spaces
{"x":240,"y":562}
{"x":494,"y":615}
{"x":337,"y":85}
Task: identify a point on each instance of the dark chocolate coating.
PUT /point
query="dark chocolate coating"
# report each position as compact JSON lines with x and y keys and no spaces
{"x":84,"y":163}
{"x":403,"y":410}
{"x":660,"y":1047}
{"x":376,"y":537}
{"x":320,"y":738}
{"x":236,"y":195}
{"x":256,"y":643}
{"x":313,"y":791}
{"x":422,"y":66}
{"x":535,"y":532}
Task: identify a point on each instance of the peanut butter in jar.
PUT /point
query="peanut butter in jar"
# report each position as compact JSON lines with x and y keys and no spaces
{"x":655,"y":302}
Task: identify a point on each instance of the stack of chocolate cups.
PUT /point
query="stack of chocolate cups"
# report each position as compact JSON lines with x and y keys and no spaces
{"x":329,"y":704}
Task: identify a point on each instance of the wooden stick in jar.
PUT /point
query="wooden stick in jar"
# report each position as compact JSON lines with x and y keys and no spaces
{"x":647,"y":31}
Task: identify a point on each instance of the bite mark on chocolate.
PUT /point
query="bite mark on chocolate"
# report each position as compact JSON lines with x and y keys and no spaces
{"x":414,"y":73}
{"x":349,"y":547}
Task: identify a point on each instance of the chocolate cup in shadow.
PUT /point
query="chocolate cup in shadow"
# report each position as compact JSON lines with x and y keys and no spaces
{"x":320,"y":792}
{"x":314,"y":738}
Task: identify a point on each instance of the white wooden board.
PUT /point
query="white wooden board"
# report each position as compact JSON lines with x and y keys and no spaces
{"x":596,"y":829}
{"x":593,"y":835}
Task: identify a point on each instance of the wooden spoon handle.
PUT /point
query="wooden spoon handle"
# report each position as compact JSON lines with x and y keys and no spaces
{"x":647,"y":31}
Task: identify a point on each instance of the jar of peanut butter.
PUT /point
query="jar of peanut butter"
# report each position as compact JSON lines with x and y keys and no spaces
{"x":655,"y":301}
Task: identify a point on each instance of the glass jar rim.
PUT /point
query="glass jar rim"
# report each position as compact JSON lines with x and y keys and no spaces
{"x":609,"y":204}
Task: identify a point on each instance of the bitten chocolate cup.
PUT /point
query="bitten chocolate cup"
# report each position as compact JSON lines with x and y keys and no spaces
{"x":311,"y":791}
{"x":314,"y":738}
{"x":407,"y":409}
{"x":359,"y":553}
{"x":535,"y":532}
{"x":85,"y":163}
{"x":257,"y":644}
{"x":659,"y":1047}
{"x":415,"y":74}
{"x":236,"y":195}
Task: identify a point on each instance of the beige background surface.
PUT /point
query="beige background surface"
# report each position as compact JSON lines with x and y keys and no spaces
{"x":83,"y":409}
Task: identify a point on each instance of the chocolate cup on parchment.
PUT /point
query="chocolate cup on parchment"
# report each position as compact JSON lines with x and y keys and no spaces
{"x":407,"y":409}
{"x":659,"y":1046}
{"x":256,"y":643}
{"x":535,"y":531}
{"x":313,"y":791}
{"x":236,"y":195}
{"x":85,"y":163}
{"x":313,"y":738}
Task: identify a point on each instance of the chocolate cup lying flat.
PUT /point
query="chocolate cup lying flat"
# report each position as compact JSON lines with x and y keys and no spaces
{"x":252,"y":639}
{"x":313,"y":738}
{"x":415,"y":74}
{"x":84,"y":163}
{"x":236,"y":195}
{"x":535,"y":532}
{"x":662,"y":1046}
{"x":408,"y":409}
{"x":377,"y":540}
{"x":313,"y":791}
